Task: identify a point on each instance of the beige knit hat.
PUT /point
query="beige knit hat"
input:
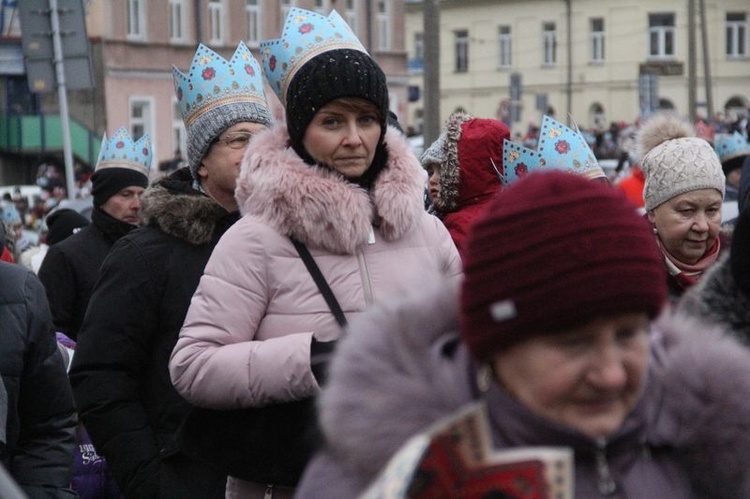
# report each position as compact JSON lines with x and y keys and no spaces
{"x":675,"y":161}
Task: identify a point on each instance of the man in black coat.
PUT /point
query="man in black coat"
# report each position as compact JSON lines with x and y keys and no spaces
{"x":71,"y":267}
{"x":120,"y":374}
{"x":37,"y":420}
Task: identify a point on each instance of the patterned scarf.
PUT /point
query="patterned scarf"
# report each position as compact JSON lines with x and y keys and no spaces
{"x":685,"y":274}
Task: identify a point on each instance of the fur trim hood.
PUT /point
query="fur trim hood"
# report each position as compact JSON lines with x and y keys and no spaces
{"x":469,"y":148}
{"x":318,"y":206}
{"x":173,"y":206}
{"x":717,"y":297}
{"x":405,"y":359}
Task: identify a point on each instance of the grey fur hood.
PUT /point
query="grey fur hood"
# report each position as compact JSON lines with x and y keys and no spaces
{"x":403,"y":359}
{"x":717,"y":298}
{"x":173,"y":206}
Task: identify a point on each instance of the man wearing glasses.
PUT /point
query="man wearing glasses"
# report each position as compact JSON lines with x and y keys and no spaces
{"x":119,"y":373}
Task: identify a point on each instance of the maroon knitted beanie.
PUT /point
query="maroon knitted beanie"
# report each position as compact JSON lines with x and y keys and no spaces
{"x":554,"y":251}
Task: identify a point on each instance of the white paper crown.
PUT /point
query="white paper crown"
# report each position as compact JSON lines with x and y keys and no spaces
{"x":213,"y":82}
{"x":305,"y":34}
{"x":121,"y":152}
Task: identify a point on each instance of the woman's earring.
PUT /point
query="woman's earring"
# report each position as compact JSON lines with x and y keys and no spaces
{"x":484,"y":377}
{"x":656,"y":231}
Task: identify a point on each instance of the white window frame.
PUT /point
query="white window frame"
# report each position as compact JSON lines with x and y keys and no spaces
{"x":505,"y":46}
{"x":136,"y":19}
{"x":351,"y":15}
{"x":736,"y":35}
{"x":549,"y":44}
{"x":322,"y":6}
{"x":383,"y":19}
{"x":461,"y":47}
{"x":418,"y":45}
{"x":660,"y":37}
{"x":285,"y":5}
{"x":253,"y":23}
{"x":179,"y":134}
{"x":145,"y":121}
{"x":597,"y":40}
{"x":216,"y":22}
{"x":177,"y":16}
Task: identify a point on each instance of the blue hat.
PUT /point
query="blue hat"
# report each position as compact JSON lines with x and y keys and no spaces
{"x":563,"y":148}
{"x":122,"y":163}
{"x":731,"y":146}
{"x":518,"y":161}
{"x":216,"y":94}
{"x":305,"y":35}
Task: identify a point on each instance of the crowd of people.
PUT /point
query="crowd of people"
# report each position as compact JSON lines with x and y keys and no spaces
{"x":284,"y":315}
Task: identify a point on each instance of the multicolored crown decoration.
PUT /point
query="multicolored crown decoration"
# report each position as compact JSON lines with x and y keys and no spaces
{"x":214,"y":82}
{"x":730,"y":146}
{"x":305,"y":34}
{"x":121,"y":152}
{"x":518,"y":161}
{"x":563,"y":148}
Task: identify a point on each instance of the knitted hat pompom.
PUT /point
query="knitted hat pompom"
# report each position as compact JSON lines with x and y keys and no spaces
{"x":660,"y":128}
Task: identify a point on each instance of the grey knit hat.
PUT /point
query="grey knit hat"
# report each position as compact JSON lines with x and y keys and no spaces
{"x":434,"y":153}
{"x":674,"y":161}
{"x":216,"y":94}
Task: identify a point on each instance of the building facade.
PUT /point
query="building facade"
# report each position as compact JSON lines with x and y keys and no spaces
{"x":595,"y":61}
{"x":135,"y":43}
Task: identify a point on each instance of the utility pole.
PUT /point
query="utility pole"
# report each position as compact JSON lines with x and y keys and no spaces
{"x":431,"y":71}
{"x":706,"y":62}
{"x":569,"y":69}
{"x":692,"y":60}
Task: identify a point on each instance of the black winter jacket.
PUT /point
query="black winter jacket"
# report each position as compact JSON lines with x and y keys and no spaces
{"x":119,"y":374}
{"x":37,"y":434}
{"x":71,"y":267}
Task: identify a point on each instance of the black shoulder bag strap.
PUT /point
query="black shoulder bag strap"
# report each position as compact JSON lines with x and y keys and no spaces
{"x":320,"y":280}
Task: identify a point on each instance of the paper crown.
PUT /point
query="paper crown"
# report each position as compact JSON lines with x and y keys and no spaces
{"x":121,"y":152}
{"x":563,"y":148}
{"x":518,"y":161}
{"x":730,"y":146}
{"x":305,"y":34}
{"x":214,"y":82}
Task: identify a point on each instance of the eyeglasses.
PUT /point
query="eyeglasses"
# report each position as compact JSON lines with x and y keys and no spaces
{"x":236,"y":140}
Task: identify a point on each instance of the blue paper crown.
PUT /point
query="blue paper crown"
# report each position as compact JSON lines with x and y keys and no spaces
{"x":730,"y":146}
{"x":518,"y":161}
{"x":305,"y":34}
{"x":214,"y":82}
{"x":121,"y":152}
{"x":563,"y":148}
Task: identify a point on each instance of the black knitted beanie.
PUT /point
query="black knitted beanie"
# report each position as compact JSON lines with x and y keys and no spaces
{"x":329,"y":76}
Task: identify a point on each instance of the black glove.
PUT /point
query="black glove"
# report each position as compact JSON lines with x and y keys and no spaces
{"x":320,"y":355}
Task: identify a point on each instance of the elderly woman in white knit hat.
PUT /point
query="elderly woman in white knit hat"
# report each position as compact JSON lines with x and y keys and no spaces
{"x":683,"y":194}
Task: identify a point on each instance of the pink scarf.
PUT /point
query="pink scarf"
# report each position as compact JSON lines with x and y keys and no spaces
{"x":686,"y":274}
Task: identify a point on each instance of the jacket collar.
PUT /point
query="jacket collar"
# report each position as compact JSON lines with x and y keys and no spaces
{"x":318,"y":206}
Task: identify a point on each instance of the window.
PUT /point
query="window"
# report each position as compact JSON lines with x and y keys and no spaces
{"x":384,"y":25}
{"x":322,"y":6}
{"x":549,"y":44}
{"x":661,"y":32}
{"x":736,"y":35}
{"x":136,"y":20}
{"x":252,"y":13}
{"x":462,"y":51}
{"x":597,"y":40}
{"x":504,"y":43}
{"x":179,"y":135}
{"x":285,"y":6}
{"x":177,"y":20}
{"x":141,"y":118}
{"x":350,"y":15}
{"x":216,"y":22}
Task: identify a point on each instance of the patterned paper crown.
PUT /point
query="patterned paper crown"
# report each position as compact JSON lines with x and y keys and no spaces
{"x":305,"y":34}
{"x":563,"y":148}
{"x":214,"y":82}
{"x":518,"y":161}
{"x":730,"y":146}
{"x":121,"y":152}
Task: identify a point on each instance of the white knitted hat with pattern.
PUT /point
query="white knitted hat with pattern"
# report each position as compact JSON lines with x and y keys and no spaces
{"x":674,"y":161}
